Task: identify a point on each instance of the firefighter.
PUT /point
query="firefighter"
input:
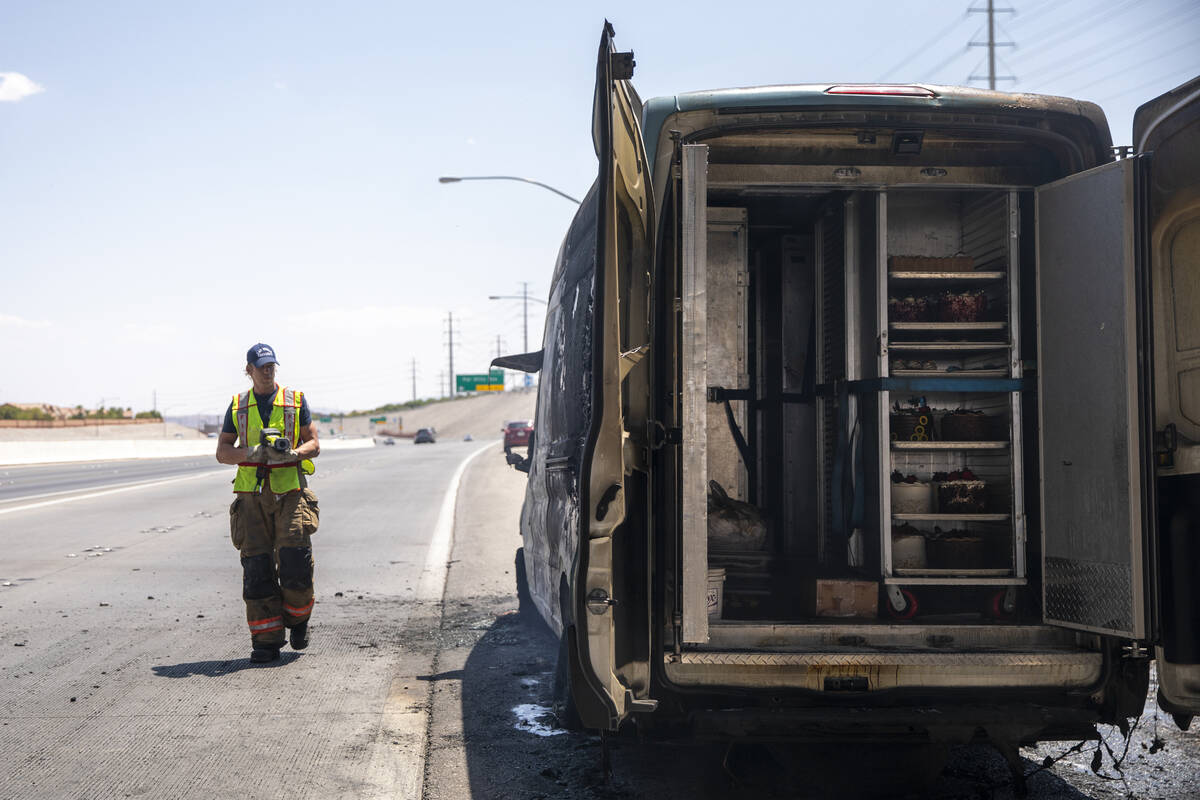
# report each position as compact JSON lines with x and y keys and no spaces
{"x":274,"y":513}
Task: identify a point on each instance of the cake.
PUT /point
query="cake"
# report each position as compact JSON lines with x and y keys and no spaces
{"x":968,"y":425}
{"x":913,"y":424}
{"x":908,"y":548}
{"x":955,"y":549}
{"x":910,"y":309}
{"x":961,"y":306}
{"x":911,"y":496}
{"x":960,"y":492}
{"x":930,"y":264}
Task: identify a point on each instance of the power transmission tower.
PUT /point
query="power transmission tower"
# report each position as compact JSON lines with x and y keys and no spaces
{"x":413,"y":373}
{"x":450,"y":347}
{"x":991,"y":44}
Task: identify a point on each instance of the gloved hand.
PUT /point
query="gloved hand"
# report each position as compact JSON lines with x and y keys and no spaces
{"x":256,"y":455}
{"x":276,"y":455}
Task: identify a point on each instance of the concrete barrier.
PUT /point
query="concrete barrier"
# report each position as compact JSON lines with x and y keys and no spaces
{"x":18,"y":453}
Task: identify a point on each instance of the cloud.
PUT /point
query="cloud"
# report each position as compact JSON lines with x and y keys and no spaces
{"x":281,"y":85}
{"x":14,"y":86}
{"x":13,"y":321}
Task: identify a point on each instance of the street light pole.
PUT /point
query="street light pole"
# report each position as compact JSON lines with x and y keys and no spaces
{"x":524,"y":297}
{"x":546,"y":186}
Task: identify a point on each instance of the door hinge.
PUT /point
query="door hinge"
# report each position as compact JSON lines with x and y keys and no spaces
{"x":883,"y":347}
{"x":1122,"y":151}
{"x":621,"y":65}
{"x":1165,"y":443}
{"x":660,"y":435}
{"x":606,"y":499}
{"x":598,"y":601}
{"x":1135,"y":650}
{"x":635,"y":706}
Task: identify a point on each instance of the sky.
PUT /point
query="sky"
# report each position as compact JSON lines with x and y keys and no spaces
{"x":179,"y":181}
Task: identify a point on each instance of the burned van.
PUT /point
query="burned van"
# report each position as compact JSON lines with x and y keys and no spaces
{"x":872,"y":410}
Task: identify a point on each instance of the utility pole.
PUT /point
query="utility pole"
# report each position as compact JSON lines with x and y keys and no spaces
{"x":525,"y":316}
{"x":450,"y":346}
{"x":414,"y":380}
{"x":991,"y":44}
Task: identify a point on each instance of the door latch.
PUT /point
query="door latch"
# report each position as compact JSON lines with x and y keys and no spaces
{"x":598,"y":601}
{"x":621,"y":65}
{"x":1165,"y":443}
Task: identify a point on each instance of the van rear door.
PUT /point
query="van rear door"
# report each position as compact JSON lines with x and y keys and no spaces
{"x":1168,"y":129}
{"x":1095,"y":400}
{"x":602,"y":582}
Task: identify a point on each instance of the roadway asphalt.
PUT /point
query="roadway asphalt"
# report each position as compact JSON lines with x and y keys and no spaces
{"x":123,"y":645}
{"x":124,"y":670}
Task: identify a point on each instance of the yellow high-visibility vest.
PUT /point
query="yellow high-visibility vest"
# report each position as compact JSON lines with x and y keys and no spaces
{"x":284,"y":477}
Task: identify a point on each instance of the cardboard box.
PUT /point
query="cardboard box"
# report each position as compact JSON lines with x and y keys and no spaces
{"x":842,"y":598}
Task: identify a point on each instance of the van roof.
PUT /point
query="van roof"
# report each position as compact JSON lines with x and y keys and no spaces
{"x":815,"y":97}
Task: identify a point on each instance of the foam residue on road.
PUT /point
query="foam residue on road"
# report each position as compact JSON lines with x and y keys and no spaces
{"x":531,"y":718}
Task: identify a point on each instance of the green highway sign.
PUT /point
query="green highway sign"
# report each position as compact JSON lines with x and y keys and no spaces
{"x":379,"y":420}
{"x":324,"y":419}
{"x":493,"y":381}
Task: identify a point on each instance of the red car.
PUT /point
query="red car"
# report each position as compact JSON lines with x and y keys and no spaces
{"x":517,"y":433}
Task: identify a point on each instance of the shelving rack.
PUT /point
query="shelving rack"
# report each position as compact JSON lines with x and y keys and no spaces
{"x":988,"y":368}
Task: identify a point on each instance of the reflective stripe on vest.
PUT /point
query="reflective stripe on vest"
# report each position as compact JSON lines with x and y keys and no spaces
{"x":283,"y":478}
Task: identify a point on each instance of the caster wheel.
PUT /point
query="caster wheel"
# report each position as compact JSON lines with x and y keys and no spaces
{"x":996,"y":607}
{"x":910,"y":608}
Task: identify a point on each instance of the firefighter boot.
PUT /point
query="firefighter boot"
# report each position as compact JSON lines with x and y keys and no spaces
{"x":300,"y":636}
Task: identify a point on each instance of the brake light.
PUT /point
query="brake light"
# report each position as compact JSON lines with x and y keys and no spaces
{"x":881,"y":89}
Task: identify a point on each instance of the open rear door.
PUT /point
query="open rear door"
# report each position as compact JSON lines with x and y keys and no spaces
{"x":622,"y":251}
{"x":1167,"y":129}
{"x":1094,"y":402}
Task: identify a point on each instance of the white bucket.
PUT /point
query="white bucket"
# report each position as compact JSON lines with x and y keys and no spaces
{"x":715,"y":596}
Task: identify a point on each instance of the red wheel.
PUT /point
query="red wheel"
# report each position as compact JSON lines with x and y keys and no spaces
{"x":910,"y":609}
{"x":997,"y":609}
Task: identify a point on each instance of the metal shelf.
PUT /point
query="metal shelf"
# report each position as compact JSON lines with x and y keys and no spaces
{"x":949,"y":445}
{"x":958,"y":373}
{"x":954,"y":577}
{"x":947,"y":327}
{"x":950,"y":347}
{"x":952,"y":517}
{"x":977,"y":276}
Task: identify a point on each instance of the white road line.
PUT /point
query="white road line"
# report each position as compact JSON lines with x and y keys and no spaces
{"x":433,"y":576}
{"x":76,"y":491}
{"x":124,"y":488}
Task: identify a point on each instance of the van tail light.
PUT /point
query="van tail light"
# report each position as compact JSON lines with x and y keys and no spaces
{"x":881,"y":89}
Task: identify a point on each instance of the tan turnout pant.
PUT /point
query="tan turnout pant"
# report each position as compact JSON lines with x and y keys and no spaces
{"x":273,"y":532}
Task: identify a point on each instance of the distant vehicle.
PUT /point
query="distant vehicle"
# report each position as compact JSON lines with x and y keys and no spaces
{"x":212,"y":435}
{"x":389,"y":440}
{"x":516,"y":433}
{"x":424,"y":436}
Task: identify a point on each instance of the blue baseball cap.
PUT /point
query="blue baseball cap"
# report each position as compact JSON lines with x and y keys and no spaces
{"x":261,"y":355}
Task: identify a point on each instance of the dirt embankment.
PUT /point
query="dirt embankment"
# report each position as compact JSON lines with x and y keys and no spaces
{"x":481,"y":416}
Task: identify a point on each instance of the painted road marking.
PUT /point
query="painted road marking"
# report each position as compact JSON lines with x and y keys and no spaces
{"x":124,"y":488}
{"x":433,"y":577}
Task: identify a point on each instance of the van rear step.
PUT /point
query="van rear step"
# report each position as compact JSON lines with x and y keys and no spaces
{"x":1058,"y":667}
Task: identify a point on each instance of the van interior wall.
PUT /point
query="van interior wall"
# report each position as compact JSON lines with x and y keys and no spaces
{"x":797,"y":249}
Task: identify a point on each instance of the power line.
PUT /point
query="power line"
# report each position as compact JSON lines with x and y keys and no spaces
{"x":937,"y":37}
{"x":1101,"y":50}
{"x":1189,"y":45}
{"x":1191,"y":72}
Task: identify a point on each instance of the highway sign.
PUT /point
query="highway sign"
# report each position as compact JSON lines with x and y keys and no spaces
{"x":490,"y":382}
{"x":379,"y":420}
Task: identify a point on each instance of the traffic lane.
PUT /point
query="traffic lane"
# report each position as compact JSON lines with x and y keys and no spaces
{"x":389,"y":494}
{"x":21,"y":483}
{"x":127,"y":673}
